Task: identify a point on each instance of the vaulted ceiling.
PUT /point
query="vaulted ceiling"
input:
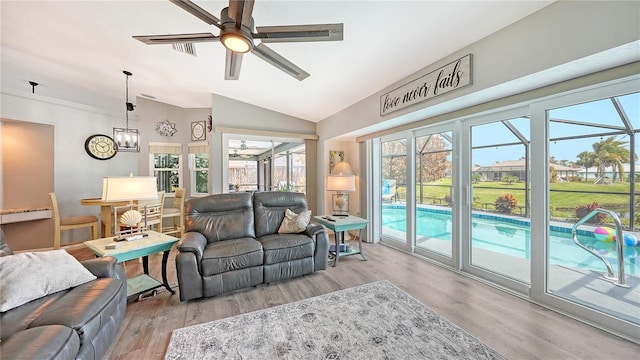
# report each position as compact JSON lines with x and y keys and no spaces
{"x":77,"y":50}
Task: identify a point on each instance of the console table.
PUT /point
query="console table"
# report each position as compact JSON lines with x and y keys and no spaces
{"x":339,"y":225}
{"x":128,"y":250}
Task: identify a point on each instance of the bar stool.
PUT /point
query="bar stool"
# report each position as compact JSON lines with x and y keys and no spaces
{"x":73,"y":222}
{"x":177,"y":213}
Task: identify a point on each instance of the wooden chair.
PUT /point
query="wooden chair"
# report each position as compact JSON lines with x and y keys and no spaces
{"x":74,"y":222}
{"x":176,"y":212}
{"x":151,"y":209}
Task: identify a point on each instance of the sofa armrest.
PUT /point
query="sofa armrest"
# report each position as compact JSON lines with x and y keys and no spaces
{"x":319,"y":235}
{"x":314,"y":229}
{"x":105,"y":267}
{"x":193,"y":242}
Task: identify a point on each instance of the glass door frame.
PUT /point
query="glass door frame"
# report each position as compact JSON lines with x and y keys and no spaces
{"x":409,"y":241}
{"x":466,"y":190}
{"x":540,"y":208}
{"x":454,"y":128}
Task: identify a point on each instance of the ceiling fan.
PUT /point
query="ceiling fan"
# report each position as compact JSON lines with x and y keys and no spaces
{"x":238,"y":35}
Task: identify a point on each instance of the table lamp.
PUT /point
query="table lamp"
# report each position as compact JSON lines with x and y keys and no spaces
{"x":341,"y":180}
{"x":129,"y":188}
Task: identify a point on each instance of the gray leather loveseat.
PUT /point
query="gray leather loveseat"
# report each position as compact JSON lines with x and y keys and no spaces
{"x":231,"y":241}
{"x":78,"y":323}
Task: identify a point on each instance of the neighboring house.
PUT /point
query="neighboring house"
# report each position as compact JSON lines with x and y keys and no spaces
{"x":592,"y":172}
{"x":499,"y":170}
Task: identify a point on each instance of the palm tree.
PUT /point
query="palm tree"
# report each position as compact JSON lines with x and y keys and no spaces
{"x":612,"y":152}
{"x":587,"y":159}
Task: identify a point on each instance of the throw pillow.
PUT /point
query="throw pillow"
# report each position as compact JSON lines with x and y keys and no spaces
{"x":294,"y":223}
{"x":31,"y":275}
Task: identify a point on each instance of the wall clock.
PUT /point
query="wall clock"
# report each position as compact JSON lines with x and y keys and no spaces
{"x":198,"y":132}
{"x":101,"y":147}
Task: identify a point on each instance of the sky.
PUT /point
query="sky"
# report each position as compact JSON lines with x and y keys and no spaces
{"x":596,"y":112}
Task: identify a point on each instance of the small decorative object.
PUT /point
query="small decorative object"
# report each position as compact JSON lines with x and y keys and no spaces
{"x":101,"y":147}
{"x":198,"y":132}
{"x":335,"y":156}
{"x":165,"y":128}
{"x":209,"y":123}
{"x":131,"y":218}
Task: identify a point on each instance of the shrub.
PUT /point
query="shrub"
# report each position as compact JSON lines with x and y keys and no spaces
{"x":506,"y":203}
{"x":574,"y":179}
{"x":510,"y":179}
{"x":583,"y":210}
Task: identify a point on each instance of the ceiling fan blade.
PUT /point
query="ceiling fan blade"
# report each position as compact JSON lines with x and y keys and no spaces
{"x":240,"y":11}
{"x":294,"y":33}
{"x":198,"y":12}
{"x":275,"y":59}
{"x":232,"y":65}
{"x":176,"y":38}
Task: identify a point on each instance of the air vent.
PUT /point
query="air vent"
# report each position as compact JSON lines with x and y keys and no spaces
{"x":187,"y":48}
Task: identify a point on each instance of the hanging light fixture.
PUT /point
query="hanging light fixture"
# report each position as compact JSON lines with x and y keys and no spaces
{"x":127,"y":139}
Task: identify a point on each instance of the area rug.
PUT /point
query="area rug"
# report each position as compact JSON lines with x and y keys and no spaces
{"x":372,"y":321}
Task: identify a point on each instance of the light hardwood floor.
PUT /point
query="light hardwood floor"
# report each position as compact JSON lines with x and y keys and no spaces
{"x":514,"y":327}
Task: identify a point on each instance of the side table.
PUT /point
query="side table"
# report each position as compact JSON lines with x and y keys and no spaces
{"x":339,"y":226}
{"x":128,"y":250}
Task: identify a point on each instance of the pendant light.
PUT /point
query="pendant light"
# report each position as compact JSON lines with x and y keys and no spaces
{"x":127,"y":139}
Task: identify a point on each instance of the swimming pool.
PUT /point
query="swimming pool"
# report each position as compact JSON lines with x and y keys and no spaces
{"x":512,"y":237}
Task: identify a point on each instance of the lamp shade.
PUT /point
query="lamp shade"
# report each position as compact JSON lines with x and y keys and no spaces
{"x":341,"y":183}
{"x":342,"y":168}
{"x":120,"y":188}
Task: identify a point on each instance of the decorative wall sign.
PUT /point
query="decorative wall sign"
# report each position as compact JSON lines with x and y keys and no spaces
{"x":165,"y":128}
{"x":335,"y":156}
{"x":452,"y":76}
{"x":198,"y":131}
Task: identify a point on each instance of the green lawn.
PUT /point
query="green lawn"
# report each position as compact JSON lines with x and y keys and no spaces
{"x":563,"y":199}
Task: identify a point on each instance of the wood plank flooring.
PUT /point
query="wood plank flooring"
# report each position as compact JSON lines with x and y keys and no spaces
{"x":514,"y":327}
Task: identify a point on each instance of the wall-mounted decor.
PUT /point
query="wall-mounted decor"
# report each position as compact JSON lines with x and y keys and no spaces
{"x":101,"y":147}
{"x":452,"y":76}
{"x":209,"y":123}
{"x":198,"y":132}
{"x":165,"y":128}
{"x":335,"y":156}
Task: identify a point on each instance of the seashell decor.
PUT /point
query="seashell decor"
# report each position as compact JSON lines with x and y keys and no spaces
{"x":131,"y":218}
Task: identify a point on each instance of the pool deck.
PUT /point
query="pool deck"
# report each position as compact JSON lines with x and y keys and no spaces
{"x":582,"y":286}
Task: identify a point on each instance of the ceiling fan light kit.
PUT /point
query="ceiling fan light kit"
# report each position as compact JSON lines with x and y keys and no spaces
{"x":237,"y":35}
{"x":236,"y":41}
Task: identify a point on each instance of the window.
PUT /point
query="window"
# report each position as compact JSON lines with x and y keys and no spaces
{"x":199,"y":168}
{"x":165,"y":163}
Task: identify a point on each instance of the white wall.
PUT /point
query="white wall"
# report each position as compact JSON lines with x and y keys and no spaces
{"x":149,"y":113}
{"x":232,"y":113}
{"x":546,"y":47}
{"x":76,"y":174}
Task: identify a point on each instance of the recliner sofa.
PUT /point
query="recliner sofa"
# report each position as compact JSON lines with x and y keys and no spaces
{"x":231,"y":242}
{"x":77,"y":323}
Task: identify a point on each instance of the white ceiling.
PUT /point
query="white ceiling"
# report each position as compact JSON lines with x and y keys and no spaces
{"x":77,"y":50}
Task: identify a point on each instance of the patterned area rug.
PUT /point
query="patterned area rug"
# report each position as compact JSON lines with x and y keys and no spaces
{"x":372,"y":321}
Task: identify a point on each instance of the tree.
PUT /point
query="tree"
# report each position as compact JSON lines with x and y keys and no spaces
{"x":587,"y":159}
{"x":612,"y":152}
{"x":431,"y":158}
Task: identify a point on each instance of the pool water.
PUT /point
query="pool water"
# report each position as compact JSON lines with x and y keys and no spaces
{"x":513,"y":237}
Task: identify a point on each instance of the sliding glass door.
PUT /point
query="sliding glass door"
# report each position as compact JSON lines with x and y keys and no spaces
{"x":496,"y":219}
{"x":394,"y":176}
{"x":593,"y":201}
{"x":434,"y":198}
